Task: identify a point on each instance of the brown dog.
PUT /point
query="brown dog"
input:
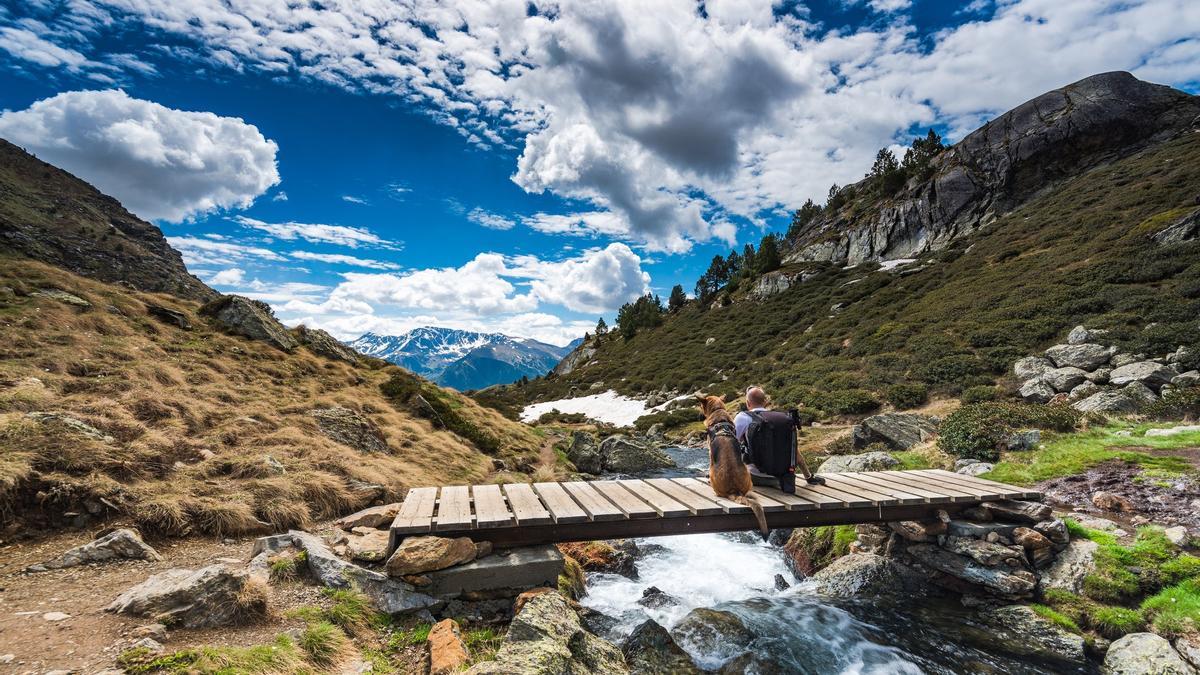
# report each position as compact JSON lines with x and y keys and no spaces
{"x":727,"y":473}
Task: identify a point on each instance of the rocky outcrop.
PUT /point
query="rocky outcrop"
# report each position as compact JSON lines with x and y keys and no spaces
{"x":170,"y":316}
{"x":1144,"y":654}
{"x":1003,"y":164}
{"x":868,"y":461}
{"x":546,"y":638}
{"x":1033,"y":636}
{"x":249,"y":318}
{"x":116,"y":545}
{"x":348,"y":427}
{"x":778,"y":281}
{"x":862,"y":574}
{"x":579,"y":357}
{"x":617,"y":453}
{"x":898,"y":431}
{"x":324,"y":344}
{"x":210,"y":596}
{"x":650,"y":650}
{"x":1186,"y":228}
{"x":1072,"y":566}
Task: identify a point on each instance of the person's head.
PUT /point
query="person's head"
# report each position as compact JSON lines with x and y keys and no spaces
{"x":756,"y":398}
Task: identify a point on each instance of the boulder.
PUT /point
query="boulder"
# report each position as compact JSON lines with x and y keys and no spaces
{"x":913,"y":530}
{"x":656,"y":598}
{"x":546,"y":638}
{"x":868,"y":461}
{"x":1173,"y":431}
{"x":368,"y":544}
{"x":1071,"y":567}
{"x":447,"y":652}
{"x":1030,"y":539}
{"x":1033,"y":635}
{"x":1188,"y":647}
{"x":1177,"y":535}
{"x":1143,"y":654}
{"x":1036,"y":391}
{"x":324,"y":344}
{"x":1099,"y":375}
{"x":650,"y":650}
{"x":1141,"y":394}
{"x":718,"y":634}
{"x":1119,"y":360}
{"x":976,"y":468}
{"x":416,"y":555}
{"x":377,"y":516}
{"x":1025,"y":439}
{"x":1002,"y":581}
{"x":1084,"y":390}
{"x":1107,"y":501}
{"x":863,"y":574}
{"x":1031,"y":367}
{"x":1080,"y":335}
{"x":116,"y":545}
{"x":61,"y":296}
{"x":1148,"y":373}
{"x":984,"y":552}
{"x":1112,"y":402}
{"x":209,"y":596}
{"x":1189,"y":379}
{"x":1064,"y":379}
{"x":623,"y":454}
{"x":584,"y":452}
{"x":1017,"y":511}
{"x":249,"y":318}
{"x":898,"y":431}
{"x":350,"y":428}
{"x":1087,"y":356}
{"x":169,"y":316}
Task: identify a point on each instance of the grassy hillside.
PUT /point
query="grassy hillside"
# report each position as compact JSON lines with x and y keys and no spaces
{"x":838,"y":342}
{"x":209,"y":432}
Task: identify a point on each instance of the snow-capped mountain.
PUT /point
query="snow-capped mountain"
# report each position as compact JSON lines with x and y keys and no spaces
{"x":464,"y":359}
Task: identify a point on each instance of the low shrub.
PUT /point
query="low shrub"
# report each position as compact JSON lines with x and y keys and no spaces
{"x":976,"y":431}
{"x":979,"y":394}
{"x":555,"y":416}
{"x":848,"y":402}
{"x":670,"y":419}
{"x":1176,"y":404}
{"x":906,"y":396}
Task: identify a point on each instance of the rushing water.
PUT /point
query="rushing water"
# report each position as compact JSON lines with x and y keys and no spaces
{"x":795,"y":630}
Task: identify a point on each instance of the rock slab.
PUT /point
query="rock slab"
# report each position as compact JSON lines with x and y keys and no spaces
{"x":116,"y":545}
{"x":203,"y":598}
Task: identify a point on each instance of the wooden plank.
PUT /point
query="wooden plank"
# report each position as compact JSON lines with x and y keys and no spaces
{"x":490,"y":508}
{"x":623,"y":499}
{"x":846,"y":483}
{"x":562,"y":508}
{"x":956,"y":494}
{"x":697,"y":504}
{"x":454,"y":509}
{"x":705,"y":490}
{"x":792,"y":502}
{"x":883,"y":488}
{"x":594,"y":503}
{"x":664,"y":505}
{"x":1004,"y":488}
{"x":416,"y":513}
{"x":846,"y":498}
{"x":925,"y":494}
{"x":982,"y":491}
{"x":525,"y":505}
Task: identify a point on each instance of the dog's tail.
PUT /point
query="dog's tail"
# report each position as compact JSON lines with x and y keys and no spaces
{"x":747,"y":500}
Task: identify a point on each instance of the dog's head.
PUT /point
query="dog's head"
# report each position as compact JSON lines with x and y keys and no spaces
{"x":710,"y":404}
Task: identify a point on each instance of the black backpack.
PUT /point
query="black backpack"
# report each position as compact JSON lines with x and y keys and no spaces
{"x":770,"y":443}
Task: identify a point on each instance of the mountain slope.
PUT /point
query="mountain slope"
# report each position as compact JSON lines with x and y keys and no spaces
{"x":463,"y":359}
{"x":49,"y":215}
{"x":1083,"y":250}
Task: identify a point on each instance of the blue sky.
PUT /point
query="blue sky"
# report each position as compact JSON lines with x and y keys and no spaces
{"x":514,"y":166}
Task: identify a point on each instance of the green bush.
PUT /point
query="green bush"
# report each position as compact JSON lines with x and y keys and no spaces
{"x":848,"y":402}
{"x":979,"y":394}
{"x":670,"y":419}
{"x":905,"y":396}
{"x":436,"y":405}
{"x":976,"y":431}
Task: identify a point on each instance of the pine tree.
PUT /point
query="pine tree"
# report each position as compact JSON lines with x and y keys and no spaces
{"x":803,"y":216}
{"x":748,"y":260}
{"x":677,"y":299}
{"x":601,"y":327}
{"x":768,"y":258}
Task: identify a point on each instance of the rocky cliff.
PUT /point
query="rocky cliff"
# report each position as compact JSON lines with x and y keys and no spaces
{"x":1002,"y":165}
{"x":49,"y":215}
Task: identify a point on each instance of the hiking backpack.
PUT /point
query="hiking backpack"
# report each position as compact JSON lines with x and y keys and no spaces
{"x":771,"y":442}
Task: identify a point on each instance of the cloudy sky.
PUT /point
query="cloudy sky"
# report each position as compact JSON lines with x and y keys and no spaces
{"x":516,"y":166}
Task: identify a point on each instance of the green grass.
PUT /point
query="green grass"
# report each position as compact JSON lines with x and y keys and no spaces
{"x":281,"y":656}
{"x":1113,"y":622}
{"x":322,"y":641}
{"x":911,"y":460}
{"x":1056,"y":617}
{"x":1073,"y":453}
{"x":1175,"y":610}
{"x":413,"y":636}
{"x":482,"y":643}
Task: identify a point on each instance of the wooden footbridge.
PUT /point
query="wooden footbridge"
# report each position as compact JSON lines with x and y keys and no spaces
{"x":520,"y":514}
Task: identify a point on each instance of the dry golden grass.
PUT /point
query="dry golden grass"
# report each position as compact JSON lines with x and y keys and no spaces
{"x":211,"y":433}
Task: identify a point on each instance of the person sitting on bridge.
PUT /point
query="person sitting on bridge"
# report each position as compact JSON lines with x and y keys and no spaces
{"x":768,"y":439}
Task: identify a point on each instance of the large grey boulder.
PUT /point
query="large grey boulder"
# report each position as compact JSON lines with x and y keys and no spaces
{"x":863,"y":574}
{"x":546,"y":638}
{"x":1144,"y":654}
{"x":1189,"y":379}
{"x":1099,"y":375}
{"x":1140,"y":393}
{"x":1071,"y":567}
{"x":623,"y":454}
{"x":116,"y":545}
{"x":1030,"y":367}
{"x":1036,"y":391}
{"x":1083,"y":356}
{"x":1034,"y":636}
{"x":1185,"y":228}
{"x":868,"y":461}
{"x":350,"y":428}
{"x":650,"y":650}
{"x":718,"y":634}
{"x":210,"y":596}
{"x":1148,"y":373}
{"x":898,"y":431}
{"x":1107,"y":402}
{"x":584,"y":452}
{"x":249,"y":318}
{"x":1064,"y":379}
{"x":324,"y":344}
{"x":1080,"y":335}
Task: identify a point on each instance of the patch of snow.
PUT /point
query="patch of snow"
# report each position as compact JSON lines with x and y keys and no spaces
{"x":609,"y":407}
{"x":889,"y":265}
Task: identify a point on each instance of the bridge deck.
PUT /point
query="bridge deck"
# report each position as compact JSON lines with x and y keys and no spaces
{"x":520,"y":514}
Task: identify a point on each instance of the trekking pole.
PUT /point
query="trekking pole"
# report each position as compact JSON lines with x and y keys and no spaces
{"x":809,"y":476}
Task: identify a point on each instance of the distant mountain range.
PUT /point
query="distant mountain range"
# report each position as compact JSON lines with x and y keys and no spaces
{"x":464,"y":359}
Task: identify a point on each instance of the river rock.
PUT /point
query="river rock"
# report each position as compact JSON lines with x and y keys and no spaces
{"x":1003,"y":581}
{"x":546,"y":638}
{"x":898,"y":431}
{"x":650,"y":650}
{"x":584,"y":452}
{"x":368,"y":544}
{"x":1115,"y":402}
{"x":1017,"y":511}
{"x":1071,"y":567}
{"x":1064,"y":379}
{"x":656,"y":598}
{"x":1036,"y":391}
{"x":868,"y":461}
{"x":1148,"y":373}
{"x":626,"y":455}
{"x":984,"y":552}
{"x":203,"y":598}
{"x":865,"y":574}
{"x":350,"y":428}
{"x":249,"y":318}
{"x":324,"y":344}
{"x":1031,"y":367}
{"x":116,"y":545}
{"x":379,"y":517}
{"x":416,"y":555}
{"x":1107,"y":501}
{"x":1144,"y":654}
{"x":716,"y":633}
{"x":1087,"y":356}
{"x":447,"y":652}
{"x":1034,"y":636}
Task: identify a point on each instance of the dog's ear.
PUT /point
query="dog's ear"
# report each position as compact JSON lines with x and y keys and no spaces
{"x":701,"y":397}
{"x":721,"y":399}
